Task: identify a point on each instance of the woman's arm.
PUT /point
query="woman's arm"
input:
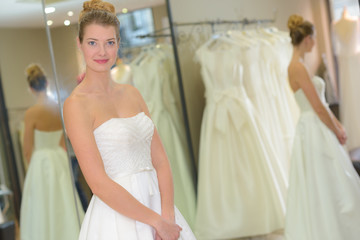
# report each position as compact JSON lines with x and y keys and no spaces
{"x":79,"y":127}
{"x":300,"y":75}
{"x":29,"y":126}
{"x":343,"y":137}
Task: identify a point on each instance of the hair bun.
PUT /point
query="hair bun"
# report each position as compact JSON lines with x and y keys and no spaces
{"x":36,"y":77}
{"x":295,"y":21}
{"x":34,"y":71}
{"x":98,"y":5}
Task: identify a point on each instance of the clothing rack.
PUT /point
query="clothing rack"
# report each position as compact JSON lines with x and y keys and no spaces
{"x":172,"y":35}
{"x":243,"y":22}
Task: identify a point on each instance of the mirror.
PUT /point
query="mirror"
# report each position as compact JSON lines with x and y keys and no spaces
{"x":33,"y":146}
{"x":236,"y":55}
{"x":145,"y":60}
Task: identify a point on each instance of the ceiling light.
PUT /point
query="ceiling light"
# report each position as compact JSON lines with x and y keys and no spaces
{"x":70,"y":13}
{"x":125,"y":10}
{"x":66,"y":22}
{"x":49,"y":10}
{"x":49,"y":22}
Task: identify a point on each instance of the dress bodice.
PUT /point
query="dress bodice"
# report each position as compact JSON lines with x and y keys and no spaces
{"x":302,"y":100}
{"x":347,"y":34}
{"x":125,"y":144}
{"x":46,"y":140}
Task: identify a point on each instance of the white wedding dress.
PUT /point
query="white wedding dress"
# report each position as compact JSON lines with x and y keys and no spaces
{"x":242,"y":185}
{"x":125,"y":148}
{"x":324,"y":191}
{"x":48,"y":210}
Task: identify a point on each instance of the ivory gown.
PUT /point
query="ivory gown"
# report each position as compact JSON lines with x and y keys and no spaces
{"x":324,"y":190}
{"x":48,"y":209}
{"x":125,"y":148}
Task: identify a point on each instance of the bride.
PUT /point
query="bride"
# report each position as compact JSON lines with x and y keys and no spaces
{"x":118,"y":148}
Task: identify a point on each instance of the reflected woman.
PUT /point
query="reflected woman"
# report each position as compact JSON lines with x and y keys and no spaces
{"x":324,"y":188}
{"x":48,"y":209}
{"x":118,"y":148}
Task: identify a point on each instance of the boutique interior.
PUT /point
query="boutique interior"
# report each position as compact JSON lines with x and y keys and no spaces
{"x":170,"y":51}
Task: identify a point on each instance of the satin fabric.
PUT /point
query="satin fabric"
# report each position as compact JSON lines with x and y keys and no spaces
{"x":324,"y":191}
{"x":48,"y":210}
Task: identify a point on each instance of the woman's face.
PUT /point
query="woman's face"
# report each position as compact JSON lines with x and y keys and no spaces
{"x":99,"y":47}
{"x":310,"y":42}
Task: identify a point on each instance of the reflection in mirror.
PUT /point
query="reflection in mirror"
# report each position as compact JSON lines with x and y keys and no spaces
{"x":144,"y":62}
{"x":42,"y":166}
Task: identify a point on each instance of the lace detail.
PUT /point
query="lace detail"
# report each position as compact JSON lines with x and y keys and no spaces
{"x":125,"y":144}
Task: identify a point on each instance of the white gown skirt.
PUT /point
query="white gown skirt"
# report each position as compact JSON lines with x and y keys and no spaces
{"x":102,"y":222}
{"x":324,"y":191}
{"x":48,"y":210}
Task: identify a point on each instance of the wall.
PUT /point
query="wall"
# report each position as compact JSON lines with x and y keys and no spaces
{"x":19,"y":48}
{"x":67,"y":57}
{"x":201,"y":10}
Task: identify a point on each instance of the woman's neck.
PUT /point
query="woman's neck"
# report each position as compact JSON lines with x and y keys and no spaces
{"x":98,"y":81}
{"x":42,"y":97}
{"x":298,"y":54}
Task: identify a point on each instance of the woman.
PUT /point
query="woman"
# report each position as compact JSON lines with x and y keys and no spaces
{"x":48,"y":205}
{"x":117,"y":146}
{"x":324,"y":190}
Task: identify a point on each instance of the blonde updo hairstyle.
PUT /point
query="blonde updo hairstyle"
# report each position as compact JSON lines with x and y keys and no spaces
{"x":299,"y":29}
{"x":36,"y":77}
{"x":99,"y":12}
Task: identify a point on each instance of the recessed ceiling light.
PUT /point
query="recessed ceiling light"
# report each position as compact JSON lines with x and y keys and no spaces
{"x":49,"y":10}
{"x":70,"y":13}
{"x":125,"y":10}
{"x":49,"y":22}
{"x":66,"y":22}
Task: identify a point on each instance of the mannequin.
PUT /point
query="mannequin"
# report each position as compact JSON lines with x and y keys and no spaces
{"x":347,"y":34}
{"x":121,"y":73}
{"x":346,"y":30}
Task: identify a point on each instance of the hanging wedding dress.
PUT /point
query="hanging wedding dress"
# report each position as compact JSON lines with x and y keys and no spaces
{"x":125,"y":148}
{"x":48,"y":210}
{"x":347,"y":34}
{"x":324,"y":192}
{"x":153,"y":82}
{"x":241,"y":189}
{"x":267,"y":86}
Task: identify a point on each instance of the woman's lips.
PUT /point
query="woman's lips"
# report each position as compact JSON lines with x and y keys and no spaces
{"x":101,"y":61}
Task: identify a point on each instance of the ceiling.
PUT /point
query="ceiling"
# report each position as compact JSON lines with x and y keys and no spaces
{"x":28,"y":13}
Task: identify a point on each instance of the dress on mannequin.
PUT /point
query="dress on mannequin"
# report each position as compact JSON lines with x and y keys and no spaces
{"x":48,"y":210}
{"x":347,"y":35}
{"x":121,"y":73}
{"x":324,"y":189}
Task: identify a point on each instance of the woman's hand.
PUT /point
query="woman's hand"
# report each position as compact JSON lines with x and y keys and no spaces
{"x":341,"y":135}
{"x":167,"y":230}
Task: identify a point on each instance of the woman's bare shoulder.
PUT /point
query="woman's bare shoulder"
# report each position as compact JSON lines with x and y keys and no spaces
{"x":296,"y":67}
{"x":77,"y":102}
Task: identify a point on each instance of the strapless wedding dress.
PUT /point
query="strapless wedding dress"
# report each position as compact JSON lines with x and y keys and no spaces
{"x":125,"y":148}
{"x":324,"y":191}
{"x":48,"y":210}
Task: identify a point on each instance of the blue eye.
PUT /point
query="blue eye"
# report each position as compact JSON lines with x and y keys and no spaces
{"x":92,"y":43}
{"x":111,"y":43}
